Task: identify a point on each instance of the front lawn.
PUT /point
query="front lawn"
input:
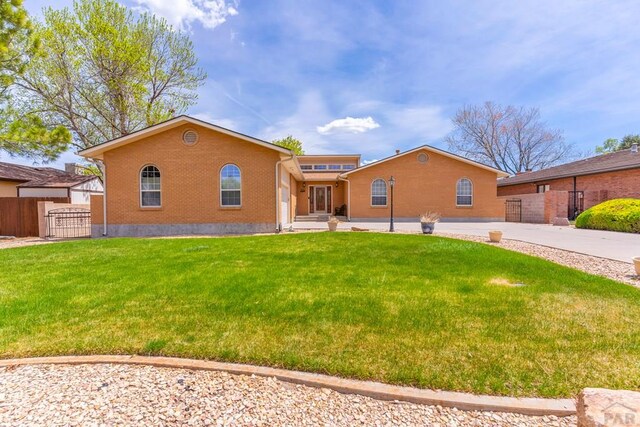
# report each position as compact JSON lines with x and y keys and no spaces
{"x":407,"y":309}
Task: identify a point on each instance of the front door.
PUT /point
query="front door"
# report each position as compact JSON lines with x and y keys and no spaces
{"x":320,"y":199}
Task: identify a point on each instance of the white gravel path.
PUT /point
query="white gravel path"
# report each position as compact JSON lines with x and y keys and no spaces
{"x":106,"y":395}
{"x":7,"y":243}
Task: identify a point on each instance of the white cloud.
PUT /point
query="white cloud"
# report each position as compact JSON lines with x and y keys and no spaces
{"x":182,"y":13}
{"x":348,"y":125}
{"x":367,"y":162}
{"x":301,"y":124}
{"x":401,"y":127}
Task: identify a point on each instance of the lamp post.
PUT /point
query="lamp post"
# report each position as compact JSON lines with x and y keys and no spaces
{"x":392,"y":182}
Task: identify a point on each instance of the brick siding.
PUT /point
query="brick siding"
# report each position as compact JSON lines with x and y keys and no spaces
{"x":429,"y":186}
{"x":190,"y":180}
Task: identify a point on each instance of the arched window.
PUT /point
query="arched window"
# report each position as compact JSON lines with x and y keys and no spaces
{"x":150,"y":186}
{"x":230,"y":186}
{"x":379,"y":192}
{"x":464,"y":192}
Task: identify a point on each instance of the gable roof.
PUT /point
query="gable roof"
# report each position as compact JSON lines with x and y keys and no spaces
{"x":33,"y":176}
{"x":97,"y":151}
{"x":620,"y":160}
{"x":432,"y":149}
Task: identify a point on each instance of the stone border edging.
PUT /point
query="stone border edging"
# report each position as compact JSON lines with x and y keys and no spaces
{"x":464,"y":401}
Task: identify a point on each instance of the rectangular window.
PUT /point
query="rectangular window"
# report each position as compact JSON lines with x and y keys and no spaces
{"x":230,"y":197}
{"x":335,"y":167}
{"x":348,"y":167}
{"x":151,"y":198}
{"x":319,"y":167}
{"x":464,"y":200}
{"x":378,"y":200}
{"x":306,"y":167}
{"x":543,"y":188}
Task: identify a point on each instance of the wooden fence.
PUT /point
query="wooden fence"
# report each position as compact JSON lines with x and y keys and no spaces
{"x":19,"y":215}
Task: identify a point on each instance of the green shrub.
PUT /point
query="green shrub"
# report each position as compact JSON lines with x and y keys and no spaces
{"x":613,"y":215}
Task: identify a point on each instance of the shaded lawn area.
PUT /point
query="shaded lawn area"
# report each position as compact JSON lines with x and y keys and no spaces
{"x":407,"y":309}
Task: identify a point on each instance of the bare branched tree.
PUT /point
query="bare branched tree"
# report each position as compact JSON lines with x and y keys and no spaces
{"x":513,"y":139}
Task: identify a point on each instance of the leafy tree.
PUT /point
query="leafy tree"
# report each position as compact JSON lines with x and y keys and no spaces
{"x":15,"y":41}
{"x":513,"y":139}
{"x":608,"y":146}
{"x":22,"y":133}
{"x":291,"y":143}
{"x":103,"y":72}
{"x":612,"y":144}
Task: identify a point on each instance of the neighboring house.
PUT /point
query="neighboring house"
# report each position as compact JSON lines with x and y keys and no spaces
{"x":587,"y":182}
{"x":186,"y":176}
{"x":35,"y":181}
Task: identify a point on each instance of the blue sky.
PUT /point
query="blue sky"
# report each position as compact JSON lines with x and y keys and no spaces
{"x":372,"y":76}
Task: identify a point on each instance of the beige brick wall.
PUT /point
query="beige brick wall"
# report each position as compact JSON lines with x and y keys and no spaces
{"x":426,"y":187}
{"x":190,"y":177}
{"x":532,"y":207}
{"x":8,"y":188}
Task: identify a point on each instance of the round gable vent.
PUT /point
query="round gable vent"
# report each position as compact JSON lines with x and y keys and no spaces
{"x":190,"y":137}
{"x":423,"y":158}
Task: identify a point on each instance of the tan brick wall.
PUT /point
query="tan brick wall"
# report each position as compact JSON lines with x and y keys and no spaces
{"x":426,"y":187}
{"x":533,"y":207}
{"x":8,"y":189}
{"x":96,"y":209}
{"x":190,"y":179}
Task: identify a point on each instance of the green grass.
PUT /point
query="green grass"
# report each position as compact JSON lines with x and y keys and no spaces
{"x":406,"y":309}
{"x":613,"y":215}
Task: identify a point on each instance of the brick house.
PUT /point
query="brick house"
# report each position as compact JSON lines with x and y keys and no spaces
{"x":40,"y":181}
{"x":186,"y":176}
{"x":576,"y":186}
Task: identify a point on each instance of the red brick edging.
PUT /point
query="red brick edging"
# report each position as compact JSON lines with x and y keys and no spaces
{"x":465,"y":401}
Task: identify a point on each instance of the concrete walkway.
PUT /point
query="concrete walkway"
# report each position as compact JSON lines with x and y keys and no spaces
{"x":605,"y":244}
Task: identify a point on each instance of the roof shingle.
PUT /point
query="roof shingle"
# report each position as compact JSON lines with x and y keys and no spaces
{"x":624,"y":159}
{"x":31,"y":176}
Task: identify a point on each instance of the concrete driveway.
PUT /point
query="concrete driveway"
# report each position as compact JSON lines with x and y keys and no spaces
{"x":605,"y":244}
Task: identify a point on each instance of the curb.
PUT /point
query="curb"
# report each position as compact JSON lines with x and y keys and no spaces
{"x":376,"y":390}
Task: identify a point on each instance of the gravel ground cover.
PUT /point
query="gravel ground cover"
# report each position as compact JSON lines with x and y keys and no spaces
{"x":59,"y":395}
{"x":616,"y":270}
{"x":22,"y":241}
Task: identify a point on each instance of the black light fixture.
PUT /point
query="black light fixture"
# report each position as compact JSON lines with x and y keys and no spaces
{"x":337,"y":183}
{"x":392,"y":183}
{"x":304,"y":187}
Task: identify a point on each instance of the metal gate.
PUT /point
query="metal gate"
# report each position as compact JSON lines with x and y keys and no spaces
{"x":513,"y":210}
{"x":68,"y":222}
{"x":576,"y":204}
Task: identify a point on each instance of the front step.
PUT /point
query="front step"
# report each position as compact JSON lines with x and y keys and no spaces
{"x":317,"y":218}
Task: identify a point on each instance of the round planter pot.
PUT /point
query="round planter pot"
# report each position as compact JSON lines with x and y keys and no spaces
{"x":636,"y":264}
{"x":333,"y":226}
{"x":495,"y":236}
{"x":427,"y":227}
